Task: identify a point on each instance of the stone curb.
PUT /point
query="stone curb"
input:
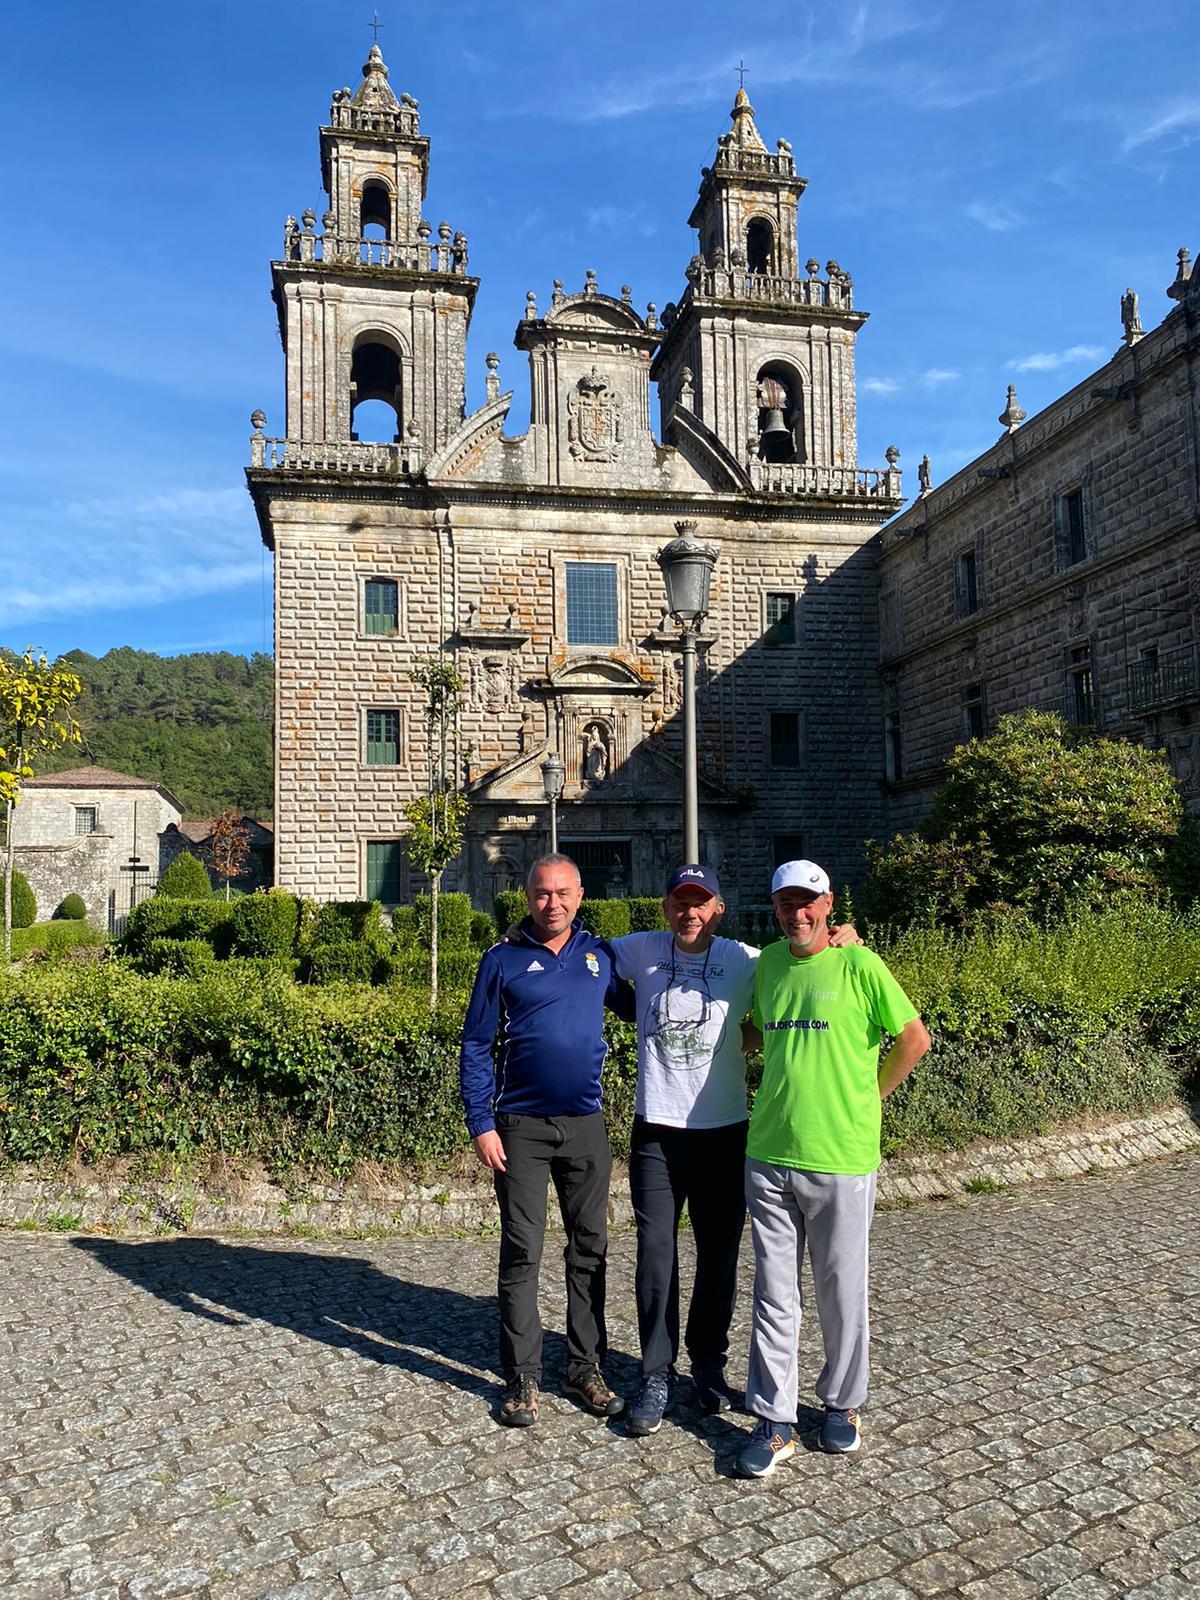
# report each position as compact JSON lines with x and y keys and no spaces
{"x":79,"y":1204}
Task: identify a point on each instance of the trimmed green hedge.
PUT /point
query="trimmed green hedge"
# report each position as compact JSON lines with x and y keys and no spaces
{"x":71,"y":909}
{"x":24,"y":903}
{"x":511,"y":908}
{"x":645,"y":914}
{"x":185,"y":879}
{"x":264,"y":924}
{"x":1031,"y":1027}
{"x":169,"y":918}
{"x":607,"y":919}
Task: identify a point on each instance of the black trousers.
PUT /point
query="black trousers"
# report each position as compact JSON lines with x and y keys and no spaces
{"x":704,"y":1169}
{"x":574,"y":1152}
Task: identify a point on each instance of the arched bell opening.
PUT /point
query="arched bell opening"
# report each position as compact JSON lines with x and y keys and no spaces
{"x":760,"y":246}
{"x":375,"y":211}
{"x":780,"y":415}
{"x":375,"y":377}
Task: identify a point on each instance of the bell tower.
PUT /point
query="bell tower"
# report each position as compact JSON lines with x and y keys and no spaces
{"x":374,"y":307}
{"x":760,"y":355}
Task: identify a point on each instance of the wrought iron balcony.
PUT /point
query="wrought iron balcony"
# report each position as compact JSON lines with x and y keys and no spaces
{"x":1165,"y":680}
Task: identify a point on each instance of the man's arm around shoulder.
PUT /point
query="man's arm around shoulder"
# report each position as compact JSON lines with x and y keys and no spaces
{"x":476,"y":1064}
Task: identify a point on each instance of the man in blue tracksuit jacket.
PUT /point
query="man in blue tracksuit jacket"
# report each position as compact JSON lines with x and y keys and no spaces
{"x":529,"y":1072}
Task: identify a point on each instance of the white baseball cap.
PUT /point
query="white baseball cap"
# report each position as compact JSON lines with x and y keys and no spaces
{"x":801,"y":875}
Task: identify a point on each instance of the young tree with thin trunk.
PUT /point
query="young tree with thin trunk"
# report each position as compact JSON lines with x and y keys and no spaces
{"x":230,"y":845}
{"x":437,"y":820}
{"x":37,"y":704}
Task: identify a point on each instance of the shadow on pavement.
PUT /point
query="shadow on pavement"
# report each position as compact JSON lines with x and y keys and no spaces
{"x":341,"y":1301}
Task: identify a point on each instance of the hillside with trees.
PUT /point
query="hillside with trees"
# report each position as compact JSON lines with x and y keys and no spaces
{"x":200,"y":724}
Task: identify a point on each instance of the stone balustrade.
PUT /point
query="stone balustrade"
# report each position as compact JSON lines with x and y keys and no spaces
{"x":733,"y":157}
{"x":447,"y":254}
{"x":336,"y":455}
{"x":765,"y":288}
{"x":404,"y":119}
{"x":840,"y":483}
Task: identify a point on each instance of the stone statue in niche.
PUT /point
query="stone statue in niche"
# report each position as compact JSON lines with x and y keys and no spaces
{"x":527,"y":734}
{"x":594,"y":423}
{"x":596,"y":754}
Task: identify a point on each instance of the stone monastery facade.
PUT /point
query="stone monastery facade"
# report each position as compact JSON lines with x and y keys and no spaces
{"x":528,"y":558}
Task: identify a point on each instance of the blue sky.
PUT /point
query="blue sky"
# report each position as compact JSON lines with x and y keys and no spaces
{"x":993,"y":177}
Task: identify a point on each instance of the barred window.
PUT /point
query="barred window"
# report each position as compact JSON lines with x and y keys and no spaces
{"x":85,"y":819}
{"x":591,"y":602}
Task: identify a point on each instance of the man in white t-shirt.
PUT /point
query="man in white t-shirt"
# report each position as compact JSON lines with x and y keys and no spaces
{"x":688,"y":1147}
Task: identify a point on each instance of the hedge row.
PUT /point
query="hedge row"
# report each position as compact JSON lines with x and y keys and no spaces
{"x":1030,"y":1029}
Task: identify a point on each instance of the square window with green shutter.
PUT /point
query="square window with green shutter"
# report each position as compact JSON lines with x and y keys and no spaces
{"x":383,"y":738}
{"x":385,"y":870}
{"x":381,"y":605}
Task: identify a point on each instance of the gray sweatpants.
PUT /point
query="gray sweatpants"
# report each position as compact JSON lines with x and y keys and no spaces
{"x":831,"y":1212}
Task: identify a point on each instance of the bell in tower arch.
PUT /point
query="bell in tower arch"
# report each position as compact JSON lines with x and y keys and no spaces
{"x":775,"y":439}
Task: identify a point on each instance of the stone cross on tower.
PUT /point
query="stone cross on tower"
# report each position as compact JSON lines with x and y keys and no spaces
{"x":375,"y":27}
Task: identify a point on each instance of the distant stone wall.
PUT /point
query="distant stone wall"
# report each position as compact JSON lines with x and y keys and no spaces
{"x":82,"y":866}
{"x":1125,"y":611}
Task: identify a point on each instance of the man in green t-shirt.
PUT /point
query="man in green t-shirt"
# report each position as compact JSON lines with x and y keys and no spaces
{"x":812,"y":1153}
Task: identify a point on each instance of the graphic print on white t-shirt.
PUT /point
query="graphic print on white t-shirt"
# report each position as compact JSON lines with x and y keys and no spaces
{"x":691,"y":1069}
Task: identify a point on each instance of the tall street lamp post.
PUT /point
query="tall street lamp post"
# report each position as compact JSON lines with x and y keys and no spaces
{"x":553,"y":776}
{"x":687,"y":564}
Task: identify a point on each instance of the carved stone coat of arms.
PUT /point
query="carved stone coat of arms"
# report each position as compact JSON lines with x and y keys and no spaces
{"x":594,"y":419}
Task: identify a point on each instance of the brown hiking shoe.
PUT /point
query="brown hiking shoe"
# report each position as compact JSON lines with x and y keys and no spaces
{"x":519,"y":1407}
{"x":593,"y":1393}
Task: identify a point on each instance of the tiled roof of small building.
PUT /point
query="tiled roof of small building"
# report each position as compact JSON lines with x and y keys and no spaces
{"x":98,"y":778}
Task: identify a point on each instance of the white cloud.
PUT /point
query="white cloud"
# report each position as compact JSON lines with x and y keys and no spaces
{"x":934,"y":376}
{"x":140,"y":550}
{"x":880,"y":385}
{"x":1051,"y":360}
{"x":1177,"y":127}
{"x":994,"y":217}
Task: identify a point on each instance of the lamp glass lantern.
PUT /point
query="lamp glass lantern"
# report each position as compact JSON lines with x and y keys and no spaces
{"x":554,"y":774}
{"x":687,"y":565}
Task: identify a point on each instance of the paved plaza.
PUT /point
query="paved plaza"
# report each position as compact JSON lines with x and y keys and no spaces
{"x":311,"y":1420}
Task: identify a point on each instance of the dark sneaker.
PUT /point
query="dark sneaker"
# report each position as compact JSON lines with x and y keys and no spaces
{"x":839,"y":1432}
{"x":519,"y":1407}
{"x":710,"y":1393}
{"x":593,"y":1394}
{"x":770,"y":1443}
{"x":646,"y":1413}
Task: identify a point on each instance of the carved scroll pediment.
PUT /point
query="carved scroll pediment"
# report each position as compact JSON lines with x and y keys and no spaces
{"x":597,"y":673}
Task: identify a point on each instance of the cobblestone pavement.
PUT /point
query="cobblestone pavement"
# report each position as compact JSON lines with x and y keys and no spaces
{"x":311,"y":1420}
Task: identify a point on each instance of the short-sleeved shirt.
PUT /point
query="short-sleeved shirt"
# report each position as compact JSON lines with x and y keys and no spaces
{"x":822,"y":1018}
{"x":691,"y":1066}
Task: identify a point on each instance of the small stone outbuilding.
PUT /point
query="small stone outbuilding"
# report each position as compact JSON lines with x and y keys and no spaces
{"x":94,"y":833}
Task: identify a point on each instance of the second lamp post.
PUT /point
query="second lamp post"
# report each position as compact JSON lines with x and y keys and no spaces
{"x":553,"y":776}
{"x":687,"y":564}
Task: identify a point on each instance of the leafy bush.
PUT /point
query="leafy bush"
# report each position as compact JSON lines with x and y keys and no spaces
{"x":410,"y":967}
{"x":1099,"y":1016}
{"x":511,"y":908}
{"x":351,"y":922}
{"x":178,"y":919}
{"x":177,"y":958}
{"x":184,"y":879}
{"x":645,"y":914}
{"x":264,"y":924}
{"x":404,"y":925}
{"x":454,"y":920}
{"x":72,"y":909}
{"x":483,"y":931}
{"x":1041,"y":814}
{"x":24,"y":904}
{"x":607,"y":919}
{"x":345,"y":962}
{"x":55,"y":940}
